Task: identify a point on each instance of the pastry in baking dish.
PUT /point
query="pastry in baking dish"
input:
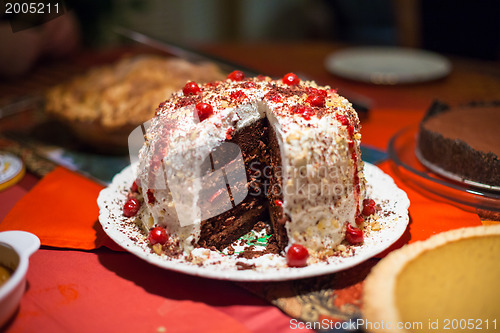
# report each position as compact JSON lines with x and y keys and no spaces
{"x":105,"y":104}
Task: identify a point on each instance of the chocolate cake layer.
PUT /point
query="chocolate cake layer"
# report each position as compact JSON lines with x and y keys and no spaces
{"x":221,"y":230}
{"x":224,"y":229}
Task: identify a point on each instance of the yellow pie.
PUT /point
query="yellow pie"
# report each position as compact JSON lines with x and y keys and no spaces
{"x":448,"y":283}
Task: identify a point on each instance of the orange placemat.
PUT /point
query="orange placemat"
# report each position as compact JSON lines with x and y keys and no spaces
{"x":62,"y":211}
{"x":430,"y":215}
{"x":382,"y":124}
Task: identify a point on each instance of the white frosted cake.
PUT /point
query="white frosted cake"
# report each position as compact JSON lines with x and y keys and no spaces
{"x":222,"y":156}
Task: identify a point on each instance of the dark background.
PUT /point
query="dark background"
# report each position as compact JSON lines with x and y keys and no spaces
{"x":464,"y":28}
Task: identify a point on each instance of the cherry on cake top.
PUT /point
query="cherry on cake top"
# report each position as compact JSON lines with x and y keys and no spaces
{"x":295,"y":97}
{"x":191,"y":88}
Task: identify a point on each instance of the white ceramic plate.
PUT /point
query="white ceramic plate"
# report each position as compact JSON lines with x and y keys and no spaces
{"x":387,"y":65}
{"x":269,"y":267}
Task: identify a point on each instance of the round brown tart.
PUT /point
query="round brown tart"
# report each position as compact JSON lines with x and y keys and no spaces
{"x":462,"y":143}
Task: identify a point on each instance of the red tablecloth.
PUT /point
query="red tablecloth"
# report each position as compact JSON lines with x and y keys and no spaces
{"x":107,"y":291}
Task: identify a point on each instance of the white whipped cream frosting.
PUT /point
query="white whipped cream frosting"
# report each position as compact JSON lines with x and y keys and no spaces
{"x":319,"y":195}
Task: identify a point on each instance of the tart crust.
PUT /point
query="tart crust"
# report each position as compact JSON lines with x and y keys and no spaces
{"x":462,"y":147}
{"x":386,"y":304}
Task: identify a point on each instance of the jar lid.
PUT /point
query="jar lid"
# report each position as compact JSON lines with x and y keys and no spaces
{"x":11,"y":170}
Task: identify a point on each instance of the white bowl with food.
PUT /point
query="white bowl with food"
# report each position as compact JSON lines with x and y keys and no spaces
{"x":16,"y":247}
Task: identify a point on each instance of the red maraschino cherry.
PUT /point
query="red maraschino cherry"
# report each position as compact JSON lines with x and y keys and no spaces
{"x":291,"y":79}
{"x":158,"y":235}
{"x":297,"y":255}
{"x":191,"y":88}
{"x":131,"y":207}
{"x":236,"y":76}
{"x":368,"y":207}
{"x":204,"y":110}
{"x":354,"y":235}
